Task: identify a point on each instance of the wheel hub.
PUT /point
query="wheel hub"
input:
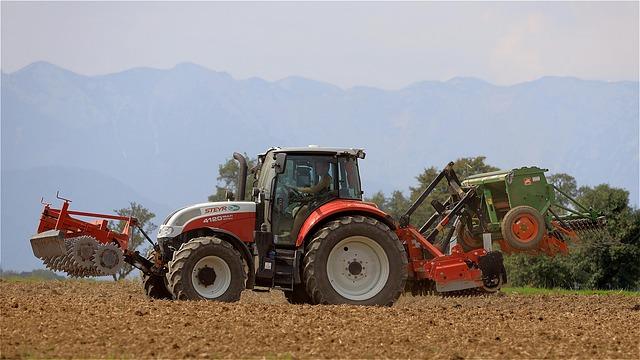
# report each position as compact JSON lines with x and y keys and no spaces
{"x":211,"y":277}
{"x":524,"y":228}
{"x":206,"y":276}
{"x":355,"y":268}
{"x":109,"y":258}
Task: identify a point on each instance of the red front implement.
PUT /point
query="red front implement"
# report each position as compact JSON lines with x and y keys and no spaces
{"x":81,"y":248}
{"x":61,"y":220}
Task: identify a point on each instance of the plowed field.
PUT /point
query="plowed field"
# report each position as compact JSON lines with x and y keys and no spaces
{"x":106,"y":320}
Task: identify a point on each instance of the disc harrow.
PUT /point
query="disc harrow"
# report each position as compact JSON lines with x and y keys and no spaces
{"x":586,"y":226}
{"x":103,"y":260}
{"x":80,"y":248}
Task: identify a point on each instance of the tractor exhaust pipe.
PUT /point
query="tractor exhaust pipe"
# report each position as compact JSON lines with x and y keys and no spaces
{"x":242,"y":176}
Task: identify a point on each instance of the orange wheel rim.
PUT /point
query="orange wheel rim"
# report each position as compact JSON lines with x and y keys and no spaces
{"x":525,"y":228}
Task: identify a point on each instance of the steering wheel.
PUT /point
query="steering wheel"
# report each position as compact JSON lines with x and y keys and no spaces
{"x":297,"y":194}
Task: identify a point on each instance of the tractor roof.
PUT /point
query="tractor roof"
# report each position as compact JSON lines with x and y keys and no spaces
{"x":319,"y":150}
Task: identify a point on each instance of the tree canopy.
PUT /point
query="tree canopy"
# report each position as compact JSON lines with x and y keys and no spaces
{"x":144,"y":217}
{"x":228,"y":179}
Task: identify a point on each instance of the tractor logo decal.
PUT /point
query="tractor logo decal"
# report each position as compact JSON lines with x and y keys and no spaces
{"x":217,"y":209}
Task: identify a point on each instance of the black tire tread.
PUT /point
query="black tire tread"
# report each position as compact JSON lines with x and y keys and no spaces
{"x":508,"y":235}
{"x":180,"y":257}
{"x":309,"y":268}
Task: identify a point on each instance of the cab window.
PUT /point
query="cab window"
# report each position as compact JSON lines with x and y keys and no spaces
{"x":349,"y":179}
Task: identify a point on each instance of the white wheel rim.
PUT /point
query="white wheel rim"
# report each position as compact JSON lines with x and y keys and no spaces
{"x":357,"y":268}
{"x":222,"y":277}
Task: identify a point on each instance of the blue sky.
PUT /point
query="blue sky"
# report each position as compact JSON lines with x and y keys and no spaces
{"x":388,"y":45}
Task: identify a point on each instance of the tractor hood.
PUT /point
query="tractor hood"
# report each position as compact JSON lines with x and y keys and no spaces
{"x":174,"y":224}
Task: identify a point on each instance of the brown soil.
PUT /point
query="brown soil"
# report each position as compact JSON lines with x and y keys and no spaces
{"x":103,"y":319}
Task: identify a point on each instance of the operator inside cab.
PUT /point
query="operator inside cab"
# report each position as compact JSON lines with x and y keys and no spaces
{"x":325,"y":180}
{"x":307,"y":182}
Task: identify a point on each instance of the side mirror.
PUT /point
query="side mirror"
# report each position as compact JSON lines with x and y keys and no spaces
{"x":280,"y":161}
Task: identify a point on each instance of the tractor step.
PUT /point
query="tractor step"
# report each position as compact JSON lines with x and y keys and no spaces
{"x":285,"y":265}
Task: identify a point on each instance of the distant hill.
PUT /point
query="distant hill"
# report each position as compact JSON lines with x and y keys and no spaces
{"x":162,"y":133}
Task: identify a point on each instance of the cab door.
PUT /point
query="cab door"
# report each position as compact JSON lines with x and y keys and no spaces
{"x":305,"y":183}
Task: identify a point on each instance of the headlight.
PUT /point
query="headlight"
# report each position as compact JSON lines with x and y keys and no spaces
{"x":165,"y":231}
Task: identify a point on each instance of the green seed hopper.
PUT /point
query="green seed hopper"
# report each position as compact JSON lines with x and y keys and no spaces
{"x":519,"y":208}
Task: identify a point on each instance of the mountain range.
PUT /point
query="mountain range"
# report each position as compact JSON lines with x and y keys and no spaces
{"x":157,"y":136}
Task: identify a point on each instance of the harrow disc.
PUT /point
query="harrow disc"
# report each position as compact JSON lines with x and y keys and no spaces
{"x":587,"y":226}
{"x":108,"y":259}
{"x":82,"y":250}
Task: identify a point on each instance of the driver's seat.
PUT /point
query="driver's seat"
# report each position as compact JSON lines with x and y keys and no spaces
{"x":303,"y":177}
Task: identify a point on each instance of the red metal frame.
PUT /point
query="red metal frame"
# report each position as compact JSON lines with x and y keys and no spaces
{"x":549,"y":245}
{"x":428,"y":262}
{"x":425,"y":260}
{"x":60,"y":219}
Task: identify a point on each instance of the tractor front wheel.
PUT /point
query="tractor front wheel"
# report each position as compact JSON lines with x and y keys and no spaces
{"x":523,"y":228}
{"x":355,"y":260}
{"x":206,"y":268}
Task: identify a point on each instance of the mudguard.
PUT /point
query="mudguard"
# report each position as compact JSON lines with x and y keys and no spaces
{"x":339,"y":207}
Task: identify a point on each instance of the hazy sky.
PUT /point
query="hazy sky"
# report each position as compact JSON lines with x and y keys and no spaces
{"x":387,"y":45}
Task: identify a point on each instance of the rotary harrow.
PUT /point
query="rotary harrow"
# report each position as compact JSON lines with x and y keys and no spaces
{"x":81,"y":248}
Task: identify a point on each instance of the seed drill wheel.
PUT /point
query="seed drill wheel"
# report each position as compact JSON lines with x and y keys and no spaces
{"x":156,"y":287}
{"x":355,"y":260}
{"x":523,"y":228}
{"x":467,"y":240}
{"x":206,"y":268}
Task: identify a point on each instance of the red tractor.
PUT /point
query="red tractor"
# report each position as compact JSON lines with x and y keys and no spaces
{"x":307,"y":232}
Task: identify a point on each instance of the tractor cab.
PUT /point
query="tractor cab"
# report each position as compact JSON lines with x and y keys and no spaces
{"x":291,"y":183}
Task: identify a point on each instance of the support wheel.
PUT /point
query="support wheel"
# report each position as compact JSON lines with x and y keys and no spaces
{"x":206,"y":268}
{"x":523,"y":228}
{"x":467,"y":240}
{"x":355,"y":260}
{"x":156,"y":287}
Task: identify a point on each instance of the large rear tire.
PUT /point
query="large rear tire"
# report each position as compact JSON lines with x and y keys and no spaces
{"x":355,"y":260}
{"x":523,"y":228}
{"x":206,"y":268}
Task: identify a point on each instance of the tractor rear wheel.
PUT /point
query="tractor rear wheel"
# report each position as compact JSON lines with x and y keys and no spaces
{"x":155,"y":287}
{"x":523,"y":228}
{"x":355,"y":260}
{"x":206,"y":268}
